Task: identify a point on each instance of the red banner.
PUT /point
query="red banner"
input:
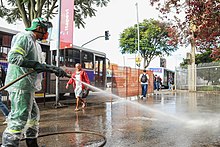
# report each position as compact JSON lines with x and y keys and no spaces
{"x":66,"y":24}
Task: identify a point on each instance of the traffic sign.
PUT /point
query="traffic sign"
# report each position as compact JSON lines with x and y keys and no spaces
{"x":138,"y":60}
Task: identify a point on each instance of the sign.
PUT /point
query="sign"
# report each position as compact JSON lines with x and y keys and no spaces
{"x":138,"y":60}
{"x":162,"y":62}
{"x":158,"y":70}
{"x":66,"y":24}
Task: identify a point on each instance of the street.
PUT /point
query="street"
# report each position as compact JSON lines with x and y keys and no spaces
{"x":165,"y":119}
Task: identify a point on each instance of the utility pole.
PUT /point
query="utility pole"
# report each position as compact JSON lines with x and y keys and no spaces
{"x":57,"y":104}
{"x":192,"y":69}
{"x":138,"y":29}
{"x":138,"y":58}
{"x":192,"y":66}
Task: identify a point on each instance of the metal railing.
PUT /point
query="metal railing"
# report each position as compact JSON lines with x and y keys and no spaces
{"x":207,"y":77}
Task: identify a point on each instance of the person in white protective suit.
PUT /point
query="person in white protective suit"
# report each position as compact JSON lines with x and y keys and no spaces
{"x":24,"y":56}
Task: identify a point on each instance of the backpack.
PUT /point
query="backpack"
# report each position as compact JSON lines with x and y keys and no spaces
{"x":158,"y":79}
{"x":144,"y":78}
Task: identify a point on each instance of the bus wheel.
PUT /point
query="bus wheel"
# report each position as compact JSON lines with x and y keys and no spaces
{"x":85,"y":93}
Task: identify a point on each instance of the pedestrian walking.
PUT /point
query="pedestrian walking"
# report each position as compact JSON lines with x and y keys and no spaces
{"x":158,"y":82}
{"x":144,"y":78}
{"x":2,"y":76}
{"x":170,"y":83}
{"x":25,"y":56}
{"x":76,"y":80}
{"x":4,"y":109}
{"x":155,"y":82}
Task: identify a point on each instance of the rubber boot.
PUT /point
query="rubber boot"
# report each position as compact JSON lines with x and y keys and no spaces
{"x":31,"y":142}
{"x":10,"y":140}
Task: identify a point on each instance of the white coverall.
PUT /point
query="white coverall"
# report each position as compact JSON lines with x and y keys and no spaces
{"x":24,"y":116}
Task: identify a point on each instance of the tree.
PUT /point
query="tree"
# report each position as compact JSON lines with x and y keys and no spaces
{"x":202,"y":57}
{"x":154,"y":40}
{"x":27,"y":10}
{"x":202,"y":19}
{"x":216,"y":54}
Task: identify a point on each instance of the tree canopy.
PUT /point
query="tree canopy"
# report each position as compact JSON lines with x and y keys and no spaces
{"x":202,"y":57}
{"x":27,"y":10}
{"x":202,"y":17}
{"x":154,"y":40}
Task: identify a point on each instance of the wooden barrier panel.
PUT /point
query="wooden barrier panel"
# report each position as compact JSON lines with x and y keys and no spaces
{"x":125,"y":81}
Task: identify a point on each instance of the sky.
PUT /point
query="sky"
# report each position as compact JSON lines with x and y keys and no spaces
{"x":117,"y":16}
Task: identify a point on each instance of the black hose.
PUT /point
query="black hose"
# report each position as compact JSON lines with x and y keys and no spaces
{"x":19,"y":78}
{"x":22,"y":76}
{"x":69,"y":132}
{"x":56,"y":133}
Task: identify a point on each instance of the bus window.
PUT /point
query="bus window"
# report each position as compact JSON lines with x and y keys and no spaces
{"x":87,"y":60}
{"x":61,"y":57}
{"x":72,"y":56}
{"x":4,"y":52}
{"x":5,"y":40}
{"x":100,"y":72}
{"x":54,"y":57}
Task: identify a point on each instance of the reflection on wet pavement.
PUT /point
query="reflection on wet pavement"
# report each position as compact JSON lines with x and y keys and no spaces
{"x":166,"y":119}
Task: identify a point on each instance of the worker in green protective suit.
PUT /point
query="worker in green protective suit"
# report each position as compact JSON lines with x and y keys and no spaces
{"x":26,"y":55}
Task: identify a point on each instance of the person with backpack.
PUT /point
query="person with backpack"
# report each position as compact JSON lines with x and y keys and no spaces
{"x":144,"y":83}
{"x":158,"y":83}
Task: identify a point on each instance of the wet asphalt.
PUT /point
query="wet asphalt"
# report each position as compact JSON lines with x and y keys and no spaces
{"x":164,"y":119}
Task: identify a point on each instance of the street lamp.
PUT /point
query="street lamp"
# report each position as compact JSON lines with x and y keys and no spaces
{"x":138,"y":58}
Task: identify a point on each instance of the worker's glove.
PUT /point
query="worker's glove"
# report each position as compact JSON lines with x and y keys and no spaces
{"x":43,"y":67}
{"x":58,"y":71}
{"x":35,"y":65}
{"x":50,"y":68}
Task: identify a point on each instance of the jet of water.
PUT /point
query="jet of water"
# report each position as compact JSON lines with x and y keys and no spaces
{"x":170,"y":117}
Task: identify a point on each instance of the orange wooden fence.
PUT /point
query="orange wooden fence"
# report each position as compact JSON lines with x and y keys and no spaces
{"x":125,"y":81}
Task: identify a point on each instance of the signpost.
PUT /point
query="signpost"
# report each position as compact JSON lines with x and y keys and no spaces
{"x":65,"y":35}
{"x":138,"y":61}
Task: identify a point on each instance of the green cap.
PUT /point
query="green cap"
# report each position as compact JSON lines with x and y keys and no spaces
{"x":39,"y":22}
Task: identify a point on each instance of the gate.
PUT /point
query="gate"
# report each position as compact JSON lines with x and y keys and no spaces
{"x":207,"y":77}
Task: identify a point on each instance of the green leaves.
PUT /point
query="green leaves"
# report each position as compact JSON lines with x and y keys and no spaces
{"x":29,"y":9}
{"x":154,"y":40}
{"x":101,"y":3}
{"x":3,"y":11}
{"x":197,"y":16}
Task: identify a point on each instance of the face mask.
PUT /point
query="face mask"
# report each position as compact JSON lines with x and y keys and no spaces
{"x":45,"y":36}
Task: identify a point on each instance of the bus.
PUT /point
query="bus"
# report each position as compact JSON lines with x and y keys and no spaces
{"x":164,"y":74}
{"x":92,"y":61}
{"x":5,"y":44}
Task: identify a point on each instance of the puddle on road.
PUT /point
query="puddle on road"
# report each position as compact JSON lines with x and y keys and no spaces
{"x":187,"y":121}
